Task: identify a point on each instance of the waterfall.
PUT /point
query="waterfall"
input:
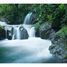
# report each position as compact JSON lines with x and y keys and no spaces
{"x":28,"y":24}
{"x":33,"y":49}
{"x":32,"y":32}
{"x":28,"y":18}
{"x":16,"y":32}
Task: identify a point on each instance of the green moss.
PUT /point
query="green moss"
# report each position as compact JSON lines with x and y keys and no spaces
{"x":61,"y":6}
{"x":62,"y":32}
{"x":65,"y":57}
{"x":37,"y":25}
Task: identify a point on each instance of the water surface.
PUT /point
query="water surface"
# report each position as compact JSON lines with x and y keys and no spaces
{"x":32,"y":50}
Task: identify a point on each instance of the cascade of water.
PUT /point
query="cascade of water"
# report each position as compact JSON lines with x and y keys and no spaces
{"x":32,"y":32}
{"x":33,"y":49}
{"x":28,"y":18}
{"x":27,"y":25}
{"x":16,"y":32}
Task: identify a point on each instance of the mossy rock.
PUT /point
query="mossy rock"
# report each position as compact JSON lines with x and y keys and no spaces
{"x":61,"y":35}
{"x":62,"y":32}
{"x":37,"y":26}
{"x":59,"y":45}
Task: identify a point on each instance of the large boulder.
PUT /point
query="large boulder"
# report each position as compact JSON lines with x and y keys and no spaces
{"x":59,"y":44}
{"x":12,"y":33}
{"x":46,"y":31}
{"x":23,"y":33}
{"x":9,"y":33}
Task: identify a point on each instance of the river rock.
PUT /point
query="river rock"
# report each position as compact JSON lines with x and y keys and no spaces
{"x":46,"y":31}
{"x":9,"y":33}
{"x":23,"y":33}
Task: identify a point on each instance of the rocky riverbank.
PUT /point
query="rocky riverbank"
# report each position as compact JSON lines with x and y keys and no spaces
{"x":59,"y":44}
{"x":58,"y":38}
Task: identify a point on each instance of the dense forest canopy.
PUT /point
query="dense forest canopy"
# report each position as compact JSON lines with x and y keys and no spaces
{"x":15,"y":13}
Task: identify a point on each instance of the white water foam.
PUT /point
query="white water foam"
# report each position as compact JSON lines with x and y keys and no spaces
{"x":37,"y":47}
